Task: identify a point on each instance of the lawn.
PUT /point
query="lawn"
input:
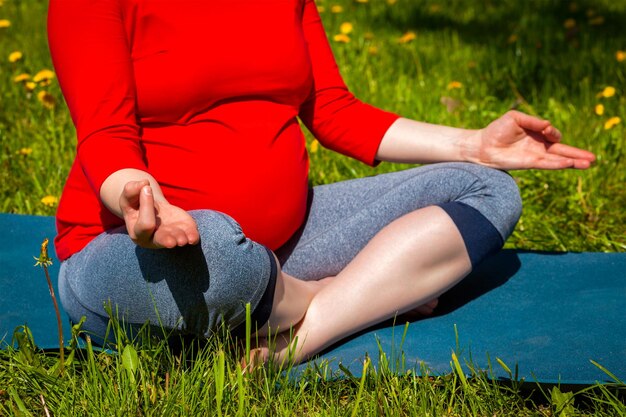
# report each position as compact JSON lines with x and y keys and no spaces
{"x":460,"y":63}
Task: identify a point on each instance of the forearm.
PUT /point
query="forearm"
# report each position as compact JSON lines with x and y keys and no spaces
{"x":112,"y":188}
{"x":409,"y":141}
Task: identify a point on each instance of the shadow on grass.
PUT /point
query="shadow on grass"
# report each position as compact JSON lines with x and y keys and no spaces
{"x":483,"y":21}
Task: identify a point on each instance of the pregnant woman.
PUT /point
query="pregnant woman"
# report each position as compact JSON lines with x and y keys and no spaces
{"x":189,"y":195}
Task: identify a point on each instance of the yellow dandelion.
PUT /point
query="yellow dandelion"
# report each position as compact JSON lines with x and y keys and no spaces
{"x":315,"y":146}
{"x":434,"y":8}
{"x":569,"y":23}
{"x":362,"y":1}
{"x":4,"y":23}
{"x":620,"y":56}
{"x":607,"y":92}
{"x":336,"y":9}
{"x":341,"y":38}
{"x":46,"y":99}
{"x":407,"y":37}
{"x":21,"y":78}
{"x":15,"y":56}
{"x":30,"y":86}
{"x":599,"y":109}
{"x":597,"y":21}
{"x":45,"y":75}
{"x":612,"y":122}
{"x":372,"y":50}
{"x":391,"y":2}
{"x":346,"y":28}
{"x":25,"y":151}
{"x":50,"y":201}
{"x":454,"y":85}
{"x":512,"y":39}
{"x":321,"y":9}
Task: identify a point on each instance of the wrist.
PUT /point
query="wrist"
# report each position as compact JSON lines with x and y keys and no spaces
{"x":469,"y":146}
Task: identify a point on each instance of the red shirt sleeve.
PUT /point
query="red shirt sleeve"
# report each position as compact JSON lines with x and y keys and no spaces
{"x":92,"y":60}
{"x":335,"y":117}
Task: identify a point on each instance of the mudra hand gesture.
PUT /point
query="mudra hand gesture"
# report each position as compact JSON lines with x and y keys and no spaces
{"x":520,"y":141}
{"x":153,"y":222}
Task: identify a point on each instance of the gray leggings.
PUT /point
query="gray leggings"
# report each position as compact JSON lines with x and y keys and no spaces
{"x":194,"y":289}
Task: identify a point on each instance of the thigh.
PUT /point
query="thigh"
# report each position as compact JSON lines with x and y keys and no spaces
{"x":192,"y":288}
{"x":344,"y":216}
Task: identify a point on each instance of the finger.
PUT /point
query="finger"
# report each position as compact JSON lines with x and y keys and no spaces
{"x":551,"y":162}
{"x":552,"y":134}
{"x":582,"y":164}
{"x":193,"y":236}
{"x":129,"y":199}
{"x":529,"y":122}
{"x":146,"y":220}
{"x":571,"y":152}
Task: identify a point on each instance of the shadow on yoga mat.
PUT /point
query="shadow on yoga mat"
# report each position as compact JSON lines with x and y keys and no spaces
{"x":550,"y":314}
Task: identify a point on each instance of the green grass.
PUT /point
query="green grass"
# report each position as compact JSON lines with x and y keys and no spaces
{"x":149,"y":378}
{"x":505,"y":54}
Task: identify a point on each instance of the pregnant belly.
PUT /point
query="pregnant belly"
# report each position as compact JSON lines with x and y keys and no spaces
{"x":256,"y":175}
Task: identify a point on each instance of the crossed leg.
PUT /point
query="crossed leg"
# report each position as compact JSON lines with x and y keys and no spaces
{"x":420,"y":251}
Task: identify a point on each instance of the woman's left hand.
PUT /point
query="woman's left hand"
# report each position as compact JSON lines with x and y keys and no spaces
{"x":520,"y":141}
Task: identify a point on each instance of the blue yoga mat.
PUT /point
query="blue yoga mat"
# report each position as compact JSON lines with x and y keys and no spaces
{"x":549,"y":314}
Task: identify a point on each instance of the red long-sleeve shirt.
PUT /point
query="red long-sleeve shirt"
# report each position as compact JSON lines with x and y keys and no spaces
{"x":204,"y":95}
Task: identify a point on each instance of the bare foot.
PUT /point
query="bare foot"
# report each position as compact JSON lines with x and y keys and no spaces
{"x":260,"y":354}
{"x":425,"y":310}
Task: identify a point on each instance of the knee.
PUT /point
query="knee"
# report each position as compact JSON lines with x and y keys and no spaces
{"x":239,"y":269}
{"x":505,"y":203}
{"x":509,"y":196}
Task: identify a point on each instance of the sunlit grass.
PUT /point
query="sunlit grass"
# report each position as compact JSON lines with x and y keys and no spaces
{"x":147,"y":376}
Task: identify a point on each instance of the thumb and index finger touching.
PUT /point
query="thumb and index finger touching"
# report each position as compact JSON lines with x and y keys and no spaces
{"x":535,"y":124}
{"x":580,"y":158}
{"x":137,"y":204}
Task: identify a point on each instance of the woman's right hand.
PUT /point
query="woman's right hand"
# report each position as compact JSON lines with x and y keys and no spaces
{"x":153,"y":223}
